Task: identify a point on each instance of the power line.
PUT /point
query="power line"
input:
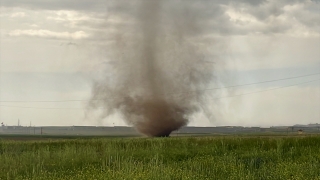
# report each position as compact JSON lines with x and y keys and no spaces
{"x":209,"y":89}
{"x":282,"y":87}
{"x":248,"y":84}
{"x":254,"y":92}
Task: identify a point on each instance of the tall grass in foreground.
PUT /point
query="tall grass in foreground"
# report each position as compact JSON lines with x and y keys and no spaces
{"x":163,"y":158}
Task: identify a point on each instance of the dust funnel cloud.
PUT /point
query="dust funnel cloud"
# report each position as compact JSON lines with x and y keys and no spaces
{"x":156,"y":65}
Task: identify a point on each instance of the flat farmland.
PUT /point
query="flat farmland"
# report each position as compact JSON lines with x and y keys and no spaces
{"x":205,"y":157}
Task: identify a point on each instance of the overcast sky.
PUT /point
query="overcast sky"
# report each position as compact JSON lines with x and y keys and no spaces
{"x":51,"y":50}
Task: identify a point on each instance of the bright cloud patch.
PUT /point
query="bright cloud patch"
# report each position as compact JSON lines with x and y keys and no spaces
{"x":275,"y":17}
{"x":18,"y":14}
{"x":49,"y":34}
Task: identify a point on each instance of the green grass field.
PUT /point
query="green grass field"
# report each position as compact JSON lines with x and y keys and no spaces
{"x":232,"y":157}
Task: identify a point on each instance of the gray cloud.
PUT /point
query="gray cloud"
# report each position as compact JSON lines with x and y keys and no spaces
{"x":249,"y":16}
{"x":99,"y":4}
{"x":56,"y":4}
{"x":281,"y":15}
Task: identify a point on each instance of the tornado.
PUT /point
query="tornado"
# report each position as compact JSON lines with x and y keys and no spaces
{"x":155,"y":67}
